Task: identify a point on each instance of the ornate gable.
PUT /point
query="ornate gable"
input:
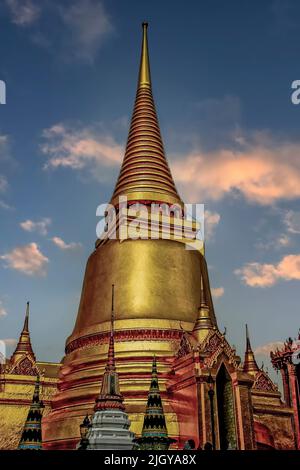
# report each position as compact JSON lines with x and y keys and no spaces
{"x":215,"y":345}
{"x":25,"y":366}
{"x":264,"y":383}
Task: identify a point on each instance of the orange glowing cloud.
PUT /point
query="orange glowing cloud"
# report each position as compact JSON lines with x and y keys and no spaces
{"x":266,"y":275}
{"x":27,"y":259}
{"x":262,"y":173}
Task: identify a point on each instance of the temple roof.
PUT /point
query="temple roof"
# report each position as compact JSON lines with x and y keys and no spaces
{"x":145,"y":174}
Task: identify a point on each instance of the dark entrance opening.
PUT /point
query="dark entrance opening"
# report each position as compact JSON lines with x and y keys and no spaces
{"x":226,"y":415}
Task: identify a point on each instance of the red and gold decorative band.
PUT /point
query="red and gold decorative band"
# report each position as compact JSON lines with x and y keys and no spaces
{"x":123,"y":335}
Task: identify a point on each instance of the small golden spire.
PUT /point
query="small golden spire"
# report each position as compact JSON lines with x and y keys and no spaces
{"x":24,"y":344}
{"x":204,"y":322}
{"x":144,"y":75}
{"x":250,"y":364}
{"x":26,"y":321}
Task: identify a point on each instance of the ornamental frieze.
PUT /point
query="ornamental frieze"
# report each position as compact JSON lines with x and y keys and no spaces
{"x":123,"y":335}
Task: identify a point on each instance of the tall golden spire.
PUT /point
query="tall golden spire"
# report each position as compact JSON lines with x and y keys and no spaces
{"x":250,"y":364}
{"x":145,"y":175}
{"x":24,"y":344}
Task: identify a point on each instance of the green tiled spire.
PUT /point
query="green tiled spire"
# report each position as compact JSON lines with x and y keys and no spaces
{"x":31,"y":438}
{"x":154,"y":433}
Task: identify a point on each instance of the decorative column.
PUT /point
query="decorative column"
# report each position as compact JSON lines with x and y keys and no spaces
{"x":294,"y":389}
{"x":211,"y":394}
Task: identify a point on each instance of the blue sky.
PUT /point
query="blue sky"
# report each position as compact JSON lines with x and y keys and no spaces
{"x":222,"y":74}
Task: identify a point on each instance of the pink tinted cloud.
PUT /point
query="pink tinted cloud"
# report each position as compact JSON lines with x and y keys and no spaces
{"x":65,"y":246}
{"x":217,"y":292}
{"x":79,"y":148}
{"x":263,"y":173}
{"x":265,"y":349}
{"x":266,"y":275}
{"x":27,"y":259}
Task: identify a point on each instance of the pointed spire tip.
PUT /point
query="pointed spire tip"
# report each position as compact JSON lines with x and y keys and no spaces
{"x":144,"y":75}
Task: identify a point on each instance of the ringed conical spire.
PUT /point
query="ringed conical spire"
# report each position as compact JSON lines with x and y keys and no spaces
{"x":154,"y":433}
{"x":24,"y":344}
{"x":31,"y":438}
{"x":250,"y":364}
{"x":145,"y":175}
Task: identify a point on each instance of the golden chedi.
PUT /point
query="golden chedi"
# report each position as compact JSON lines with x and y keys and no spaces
{"x":157,"y":284}
{"x":163,"y":308}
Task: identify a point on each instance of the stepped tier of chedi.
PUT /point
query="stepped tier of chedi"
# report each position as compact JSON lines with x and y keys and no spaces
{"x":163,"y":308}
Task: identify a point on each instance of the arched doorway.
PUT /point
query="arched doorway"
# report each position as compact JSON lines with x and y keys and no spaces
{"x":226,"y":412}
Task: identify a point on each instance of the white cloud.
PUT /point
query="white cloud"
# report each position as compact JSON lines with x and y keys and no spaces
{"x":87,"y":24}
{"x":292,"y":221}
{"x":217,"y":292}
{"x":79,"y":149}
{"x":39,"y":226}
{"x":5,"y":157}
{"x":211,"y":220}
{"x":27,"y":259}
{"x":266,"y":275}
{"x":263,"y":171}
{"x":274,"y":242}
{"x":265,"y":349}
{"x":10,"y":341}
{"x":65,"y":246}
{"x":3,"y":184}
{"x":5,"y":206}
{"x":81,"y":26}
{"x":3,"y":311}
{"x":23,"y":12}
{"x":5,"y":153}
{"x":283,"y":240}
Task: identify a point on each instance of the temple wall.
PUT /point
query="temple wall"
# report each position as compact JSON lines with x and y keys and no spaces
{"x":15,"y":398}
{"x":281,"y":429}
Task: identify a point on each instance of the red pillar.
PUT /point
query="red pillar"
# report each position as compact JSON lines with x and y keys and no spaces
{"x":294,"y":392}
